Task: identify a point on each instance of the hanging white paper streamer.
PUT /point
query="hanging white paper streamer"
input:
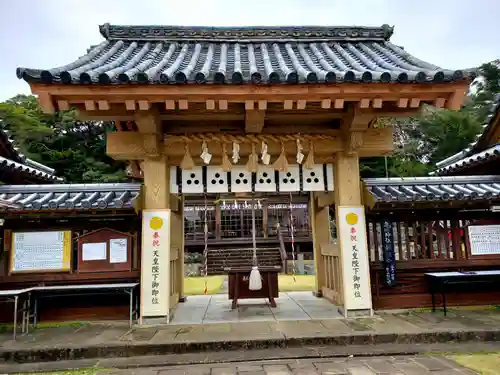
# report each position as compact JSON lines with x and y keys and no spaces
{"x":266,"y":158}
{"x":300,"y":155}
{"x":236,"y":152}
{"x":205,"y":155}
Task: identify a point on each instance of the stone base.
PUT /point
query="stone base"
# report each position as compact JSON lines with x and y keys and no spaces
{"x":355,"y":313}
{"x":153,"y":321}
{"x":183,"y":299}
{"x":317,"y":294}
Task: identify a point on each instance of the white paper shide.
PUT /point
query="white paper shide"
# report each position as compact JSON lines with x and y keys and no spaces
{"x":155,"y":280}
{"x":352,"y":232}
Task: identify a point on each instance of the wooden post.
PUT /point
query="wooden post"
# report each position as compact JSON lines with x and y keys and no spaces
{"x":157,"y":239}
{"x":320,"y":229}
{"x":351,"y":226}
{"x":177,"y":244}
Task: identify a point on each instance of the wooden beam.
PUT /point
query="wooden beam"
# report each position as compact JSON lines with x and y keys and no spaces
{"x":63,"y":105}
{"x":364,"y":103}
{"x":262,"y":105}
{"x":414,"y":103}
{"x":326,"y":103}
{"x":89,"y":105}
{"x":254,"y":120}
{"x":255,"y":92}
{"x":402,"y":103}
{"x":288,"y":104}
{"x":354,"y":141}
{"x":223,"y":105}
{"x":377,"y":103}
{"x":456,"y":100}
{"x":183,"y":104}
{"x":46,"y":103}
{"x":170,"y":104}
{"x":130,"y":105}
{"x":249,"y":105}
{"x":137,"y":146}
{"x":103,"y":105}
{"x":339,"y":103}
{"x":301,"y":104}
{"x":210,"y":104}
{"x":439,"y":102}
{"x":144,"y":105}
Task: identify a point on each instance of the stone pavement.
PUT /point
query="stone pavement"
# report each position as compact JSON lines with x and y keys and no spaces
{"x":290,"y":306}
{"x":115,"y":340}
{"x":399,"y":365}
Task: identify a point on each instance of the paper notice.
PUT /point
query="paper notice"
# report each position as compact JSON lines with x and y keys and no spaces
{"x":94,"y":251}
{"x":118,"y":250}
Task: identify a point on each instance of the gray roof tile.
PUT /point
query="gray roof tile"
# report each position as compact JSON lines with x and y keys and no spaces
{"x":434,"y":189}
{"x":465,"y":157}
{"x":70,"y":196}
{"x":24,"y":168}
{"x":168,"y":54}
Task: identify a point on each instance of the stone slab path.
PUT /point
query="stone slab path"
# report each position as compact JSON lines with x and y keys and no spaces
{"x":400,"y":365}
{"x":112,"y":340}
{"x":217,"y":309}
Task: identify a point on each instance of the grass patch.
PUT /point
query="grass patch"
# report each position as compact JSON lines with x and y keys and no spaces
{"x":301,"y":283}
{"x":484,"y":364}
{"x":8,"y":327}
{"x":194,"y":286}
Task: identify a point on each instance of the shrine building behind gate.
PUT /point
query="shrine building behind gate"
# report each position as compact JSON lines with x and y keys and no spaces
{"x":199,"y":111}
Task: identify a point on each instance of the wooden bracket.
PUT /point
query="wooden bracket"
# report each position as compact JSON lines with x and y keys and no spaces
{"x":254,"y":120}
{"x":354,"y":141}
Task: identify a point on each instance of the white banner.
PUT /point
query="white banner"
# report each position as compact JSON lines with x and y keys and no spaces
{"x":352,"y":235}
{"x":155,"y":263}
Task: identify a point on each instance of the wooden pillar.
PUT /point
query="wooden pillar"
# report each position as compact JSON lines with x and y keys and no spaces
{"x":320,"y":229}
{"x":351,"y":226}
{"x":177,"y":245}
{"x":156,"y":280}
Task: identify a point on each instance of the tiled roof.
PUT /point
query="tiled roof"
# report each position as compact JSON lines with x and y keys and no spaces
{"x":490,"y":154}
{"x":23,"y":168}
{"x":273,"y":55}
{"x":454,"y":160}
{"x":15,"y":160}
{"x":434,"y":189}
{"x":70,"y":197}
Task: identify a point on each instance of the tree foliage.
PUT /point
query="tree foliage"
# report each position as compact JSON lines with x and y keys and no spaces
{"x":435,"y":134}
{"x":75,"y":149}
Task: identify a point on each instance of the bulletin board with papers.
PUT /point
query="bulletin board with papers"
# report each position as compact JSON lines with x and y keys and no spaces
{"x":105,"y":250}
{"x":40,"y":251}
{"x":484,"y":240}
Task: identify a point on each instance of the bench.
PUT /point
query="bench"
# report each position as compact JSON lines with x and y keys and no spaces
{"x":446,"y":282}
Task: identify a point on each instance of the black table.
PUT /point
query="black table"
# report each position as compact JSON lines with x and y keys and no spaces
{"x":445,"y":282}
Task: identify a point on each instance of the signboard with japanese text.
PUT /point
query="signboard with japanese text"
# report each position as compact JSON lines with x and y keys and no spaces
{"x":155,"y":260}
{"x":352,"y":235}
{"x":388,"y":252}
{"x":41,"y":251}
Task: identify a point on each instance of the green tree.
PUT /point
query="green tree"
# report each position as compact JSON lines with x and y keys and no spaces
{"x":75,"y":149}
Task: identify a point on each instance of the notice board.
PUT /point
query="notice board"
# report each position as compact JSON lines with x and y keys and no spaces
{"x":105,"y":250}
{"x":41,"y":251}
{"x":484,"y":239}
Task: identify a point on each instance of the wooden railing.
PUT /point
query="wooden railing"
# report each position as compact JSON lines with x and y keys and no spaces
{"x":332,"y":268}
{"x":420,"y":239}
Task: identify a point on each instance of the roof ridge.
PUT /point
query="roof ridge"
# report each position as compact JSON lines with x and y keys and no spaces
{"x":246,"y":33}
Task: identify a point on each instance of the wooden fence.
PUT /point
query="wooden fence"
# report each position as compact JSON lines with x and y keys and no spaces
{"x":426,"y":241}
